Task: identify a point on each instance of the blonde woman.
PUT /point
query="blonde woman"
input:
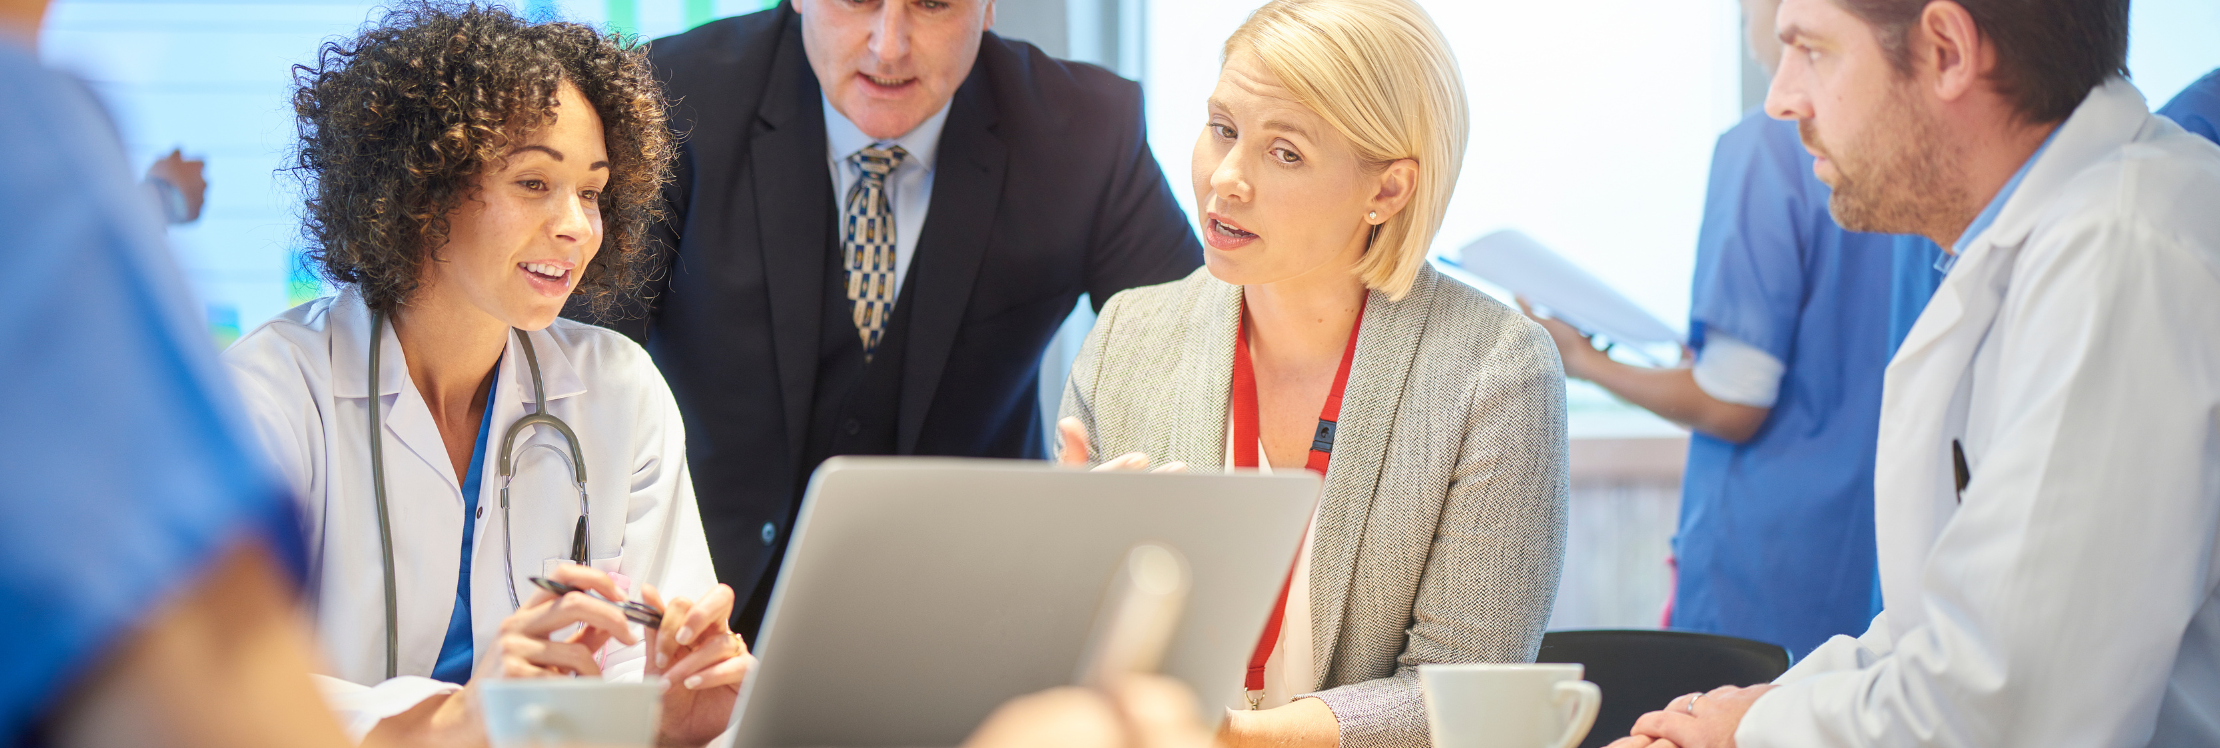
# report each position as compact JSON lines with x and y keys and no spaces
{"x":1333,"y":142}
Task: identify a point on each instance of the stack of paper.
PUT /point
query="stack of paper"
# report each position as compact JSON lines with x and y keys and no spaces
{"x":1558,"y":288}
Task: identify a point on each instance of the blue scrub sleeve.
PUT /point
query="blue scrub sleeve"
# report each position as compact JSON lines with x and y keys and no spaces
{"x":1749,"y":281}
{"x":123,"y":473}
{"x":2197,"y":108}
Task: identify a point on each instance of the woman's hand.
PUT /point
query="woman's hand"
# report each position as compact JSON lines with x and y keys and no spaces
{"x":527,"y":647}
{"x":702,"y":662}
{"x":1075,"y":452}
{"x":1302,"y":722}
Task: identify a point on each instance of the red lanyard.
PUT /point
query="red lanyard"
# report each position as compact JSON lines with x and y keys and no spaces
{"x":1246,"y":432}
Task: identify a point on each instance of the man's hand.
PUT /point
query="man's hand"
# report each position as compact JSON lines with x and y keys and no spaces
{"x":1711,"y":725}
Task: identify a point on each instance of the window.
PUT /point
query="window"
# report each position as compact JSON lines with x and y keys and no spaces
{"x":213,"y":78}
{"x":1592,"y":127}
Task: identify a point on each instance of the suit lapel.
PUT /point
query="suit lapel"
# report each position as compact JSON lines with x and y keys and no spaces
{"x":793,"y":198}
{"x":967,"y":190}
{"x":1386,"y":346}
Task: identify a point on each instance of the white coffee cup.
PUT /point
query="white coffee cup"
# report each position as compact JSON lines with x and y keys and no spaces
{"x":534,"y":712}
{"x":1508,"y":706}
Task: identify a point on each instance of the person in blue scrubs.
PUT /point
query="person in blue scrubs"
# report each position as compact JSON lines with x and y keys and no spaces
{"x":1917,"y":271}
{"x":1790,"y":333}
{"x":129,"y":492}
{"x":2197,"y":108}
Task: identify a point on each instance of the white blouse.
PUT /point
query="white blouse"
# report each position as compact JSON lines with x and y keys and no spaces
{"x":1288,"y":672}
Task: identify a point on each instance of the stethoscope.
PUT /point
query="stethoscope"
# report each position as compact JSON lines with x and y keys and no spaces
{"x":506,"y":468}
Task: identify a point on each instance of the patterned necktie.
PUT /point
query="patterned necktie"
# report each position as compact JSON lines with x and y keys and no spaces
{"x":867,"y":240}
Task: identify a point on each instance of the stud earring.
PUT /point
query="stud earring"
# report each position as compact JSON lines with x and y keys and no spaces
{"x":1374,"y":215}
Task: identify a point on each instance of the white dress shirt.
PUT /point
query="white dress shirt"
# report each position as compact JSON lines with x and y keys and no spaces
{"x":909,"y":188}
{"x":2071,"y":594}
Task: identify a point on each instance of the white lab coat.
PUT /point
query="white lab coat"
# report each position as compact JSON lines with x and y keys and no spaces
{"x":2075,"y":351}
{"x":302,"y":376}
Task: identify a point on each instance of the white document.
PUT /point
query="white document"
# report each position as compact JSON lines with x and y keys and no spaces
{"x":1558,"y":288}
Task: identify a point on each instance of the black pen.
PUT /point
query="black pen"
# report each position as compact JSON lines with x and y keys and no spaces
{"x":634,"y":612}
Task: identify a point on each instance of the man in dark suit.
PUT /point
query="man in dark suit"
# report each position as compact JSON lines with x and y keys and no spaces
{"x":839,"y":279}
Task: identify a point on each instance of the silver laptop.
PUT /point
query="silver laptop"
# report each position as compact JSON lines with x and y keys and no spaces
{"x":918,"y":594}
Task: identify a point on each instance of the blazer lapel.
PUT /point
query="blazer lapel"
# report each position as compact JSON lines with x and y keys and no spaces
{"x":1203,"y":380}
{"x":793,"y":199}
{"x":1386,"y":346}
{"x":967,"y":190}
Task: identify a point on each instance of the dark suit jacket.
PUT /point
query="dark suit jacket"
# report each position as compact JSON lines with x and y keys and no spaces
{"x":1045,"y":189}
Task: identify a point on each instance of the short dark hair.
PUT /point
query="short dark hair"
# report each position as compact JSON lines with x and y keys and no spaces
{"x":397,"y":123}
{"x":2050,"y":53}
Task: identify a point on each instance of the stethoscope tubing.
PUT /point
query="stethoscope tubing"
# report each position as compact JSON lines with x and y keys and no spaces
{"x":377,"y":487}
{"x":506,"y":467}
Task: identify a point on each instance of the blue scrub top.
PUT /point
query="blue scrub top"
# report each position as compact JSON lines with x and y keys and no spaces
{"x":2197,"y":108}
{"x":1776,"y":535}
{"x":455,"y":652}
{"x":1918,"y":272}
{"x":125,"y":469}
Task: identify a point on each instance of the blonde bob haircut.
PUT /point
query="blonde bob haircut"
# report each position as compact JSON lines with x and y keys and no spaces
{"x":1380,"y":72}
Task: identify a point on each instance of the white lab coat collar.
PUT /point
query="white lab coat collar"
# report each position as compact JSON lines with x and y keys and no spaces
{"x":2110,"y":117}
{"x":1923,"y":401}
{"x":349,"y":320}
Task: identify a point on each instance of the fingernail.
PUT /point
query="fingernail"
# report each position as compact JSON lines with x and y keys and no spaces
{"x":693,"y":683}
{"x":685,"y":635}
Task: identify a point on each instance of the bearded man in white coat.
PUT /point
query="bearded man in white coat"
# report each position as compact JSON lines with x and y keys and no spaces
{"x":2047,"y":488}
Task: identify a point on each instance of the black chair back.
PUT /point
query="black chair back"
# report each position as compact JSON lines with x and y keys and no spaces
{"x":1639,"y":671}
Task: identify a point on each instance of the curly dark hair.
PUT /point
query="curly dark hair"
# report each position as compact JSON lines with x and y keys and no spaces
{"x":397,"y":123}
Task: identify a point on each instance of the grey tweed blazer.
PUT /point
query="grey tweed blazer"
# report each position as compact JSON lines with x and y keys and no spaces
{"x":1443,"y":526}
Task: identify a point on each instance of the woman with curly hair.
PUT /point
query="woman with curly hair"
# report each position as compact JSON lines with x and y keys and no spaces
{"x":466,"y":174}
